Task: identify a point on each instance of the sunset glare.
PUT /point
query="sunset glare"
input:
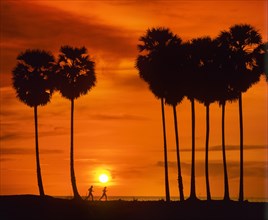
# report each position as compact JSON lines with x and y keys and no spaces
{"x":118,"y":136}
{"x":103,"y":178}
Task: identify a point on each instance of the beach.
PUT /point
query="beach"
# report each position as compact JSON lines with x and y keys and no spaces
{"x":35,"y":207}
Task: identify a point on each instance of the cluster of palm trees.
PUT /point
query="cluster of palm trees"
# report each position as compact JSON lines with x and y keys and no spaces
{"x":205,"y":70}
{"x":38,"y":74}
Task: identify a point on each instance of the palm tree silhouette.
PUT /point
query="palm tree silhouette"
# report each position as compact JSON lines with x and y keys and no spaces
{"x":241,"y":41}
{"x":153,"y":66}
{"x":224,"y":92}
{"x":205,"y":50}
{"x":192,"y":80}
{"x":32,"y":80}
{"x":173,"y":57}
{"x":76,"y":77}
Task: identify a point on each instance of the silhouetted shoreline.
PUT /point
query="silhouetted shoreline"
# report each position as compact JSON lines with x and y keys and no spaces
{"x":35,"y":207}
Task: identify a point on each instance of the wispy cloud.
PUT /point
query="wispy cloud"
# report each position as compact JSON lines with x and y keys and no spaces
{"x":11,"y":132}
{"x":237,"y":147}
{"x":117,"y":117}
{"x":24,"y":151}
{"x":5,"y":159}
{"x":49,"y":28}
{"x":171,"y":164}
{"x":227,"y":148}
{"x":251,"y":168}
{"x":128,"y":81}
{"x":10,"y":136}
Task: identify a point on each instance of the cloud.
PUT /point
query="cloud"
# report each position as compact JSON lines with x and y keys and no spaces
{"x":128,"y":81}
{"x":5,"y":159}
{"x":27,"y":151}
{"x":17,"y":119}
{"x":47,"y":26}
{"x":13,"y":131}
{"x":20,"y":151}
{"x":251,"y":168}
{"x":171,"y":164}
{"x":117,"y":117}
{"x":27,"y":25}
{"x":237,"y":147}
{"x":227,"y":148}
{"x":10,"y":136}
{"x":133,"y":2}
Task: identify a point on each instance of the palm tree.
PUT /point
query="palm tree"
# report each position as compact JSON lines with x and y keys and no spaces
{"x":153,"y":66}
{"x":175,"y":92}
{"x":192,"y":82}
{"x":32,"y":80}
{"x":224,"y":70}
{"x":76,"y":77}
{"x":205,"y":50}
{"x":144,"y":66}
{"x":241,"y":41}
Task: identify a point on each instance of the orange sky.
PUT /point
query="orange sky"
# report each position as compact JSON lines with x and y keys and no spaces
{"x":118,"y":124}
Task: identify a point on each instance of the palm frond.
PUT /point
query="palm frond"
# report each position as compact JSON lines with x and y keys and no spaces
{"x":32,"y":77}
{"x":76,"y":76}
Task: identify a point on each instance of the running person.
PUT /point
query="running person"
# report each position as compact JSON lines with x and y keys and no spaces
{"x":104,"y":194}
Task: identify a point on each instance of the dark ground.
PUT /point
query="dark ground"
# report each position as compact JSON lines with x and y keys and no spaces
{"x":49,"y":208}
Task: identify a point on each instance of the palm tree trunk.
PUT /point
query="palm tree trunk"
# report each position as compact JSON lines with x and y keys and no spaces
{"x":75,"y":191}
{"x":226,"y":186}
{"x":180,"y":184}
{"x":206,"y":159}
{"x":38,"y":168}
{"x":193,"y":192}
{"x":165,"y":152}
{"x":241,"y":188}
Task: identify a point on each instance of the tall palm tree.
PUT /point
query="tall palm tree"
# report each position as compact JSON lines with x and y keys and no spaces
{"x":224,"y":70}
{"x":241,"y":41}
{"x":175,"y":92}
{"x":192,"y":82}
{"x":144,"y":66}
{"x":153,"y":66}
{"x":205,"y":52}
{"x":32,"y":80}
{"x":76,"y":77}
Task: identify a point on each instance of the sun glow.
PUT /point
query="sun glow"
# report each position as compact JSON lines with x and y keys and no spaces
{"x":103,"y":178}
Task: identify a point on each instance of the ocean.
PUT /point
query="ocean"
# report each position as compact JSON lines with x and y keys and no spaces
{"x":126,"y":198}
{"x":157,"y":198}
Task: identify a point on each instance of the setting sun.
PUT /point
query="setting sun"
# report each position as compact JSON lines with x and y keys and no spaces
{"x":103,"y":178}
